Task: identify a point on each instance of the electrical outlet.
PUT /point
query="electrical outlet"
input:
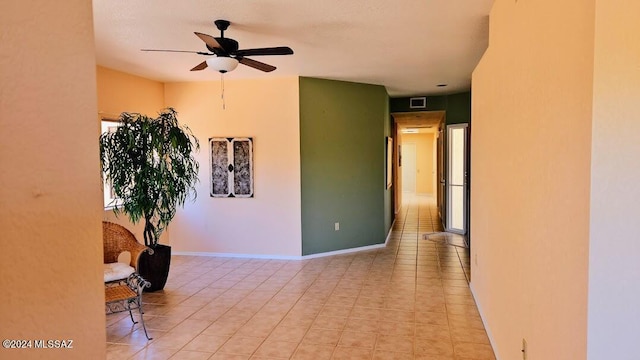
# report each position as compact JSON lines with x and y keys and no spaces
{"x":337,"y":226}
{"x":524,"y":349}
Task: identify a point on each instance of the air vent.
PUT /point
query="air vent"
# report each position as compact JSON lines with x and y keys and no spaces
{"x":418,"y":103}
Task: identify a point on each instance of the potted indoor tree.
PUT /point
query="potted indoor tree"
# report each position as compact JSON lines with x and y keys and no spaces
{"x":150,"y":165}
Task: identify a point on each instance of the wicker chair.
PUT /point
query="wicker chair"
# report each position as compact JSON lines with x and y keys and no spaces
{"x":123,"y":294}
{"x":116,"y":240}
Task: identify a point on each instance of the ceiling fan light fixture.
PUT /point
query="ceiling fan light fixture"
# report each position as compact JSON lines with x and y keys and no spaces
{"x":222,"y":64}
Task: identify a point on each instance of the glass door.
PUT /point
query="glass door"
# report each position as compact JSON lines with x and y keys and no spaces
{"x":456,"y":182}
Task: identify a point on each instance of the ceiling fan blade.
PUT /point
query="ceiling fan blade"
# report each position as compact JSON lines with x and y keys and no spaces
{"x":201,"y":66}
{"x":179,"y":51}
{"x":280,"y":50}
{"x":256,"y":64}
{"x":209,"y":40}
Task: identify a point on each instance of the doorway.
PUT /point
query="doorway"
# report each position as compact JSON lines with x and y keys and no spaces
{"x":420,"y":129}
{"x":409,"y":171}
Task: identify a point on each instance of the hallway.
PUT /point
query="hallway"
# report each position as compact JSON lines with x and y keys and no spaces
{"x":409,"y":300}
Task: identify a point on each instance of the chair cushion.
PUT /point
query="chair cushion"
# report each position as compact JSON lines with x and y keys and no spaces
{"x":117,"y":271}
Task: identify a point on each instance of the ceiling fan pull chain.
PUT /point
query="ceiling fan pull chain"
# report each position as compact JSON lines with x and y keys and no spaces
{"x":222,"y":85}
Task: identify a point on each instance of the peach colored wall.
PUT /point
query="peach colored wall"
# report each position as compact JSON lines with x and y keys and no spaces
{"x":268,"y":111}
{"x":119,"y":92}
{"x":531,"y":143}
{"x":614,"y":266}
{"x":50,"y":198}
{"x":424,"y":161}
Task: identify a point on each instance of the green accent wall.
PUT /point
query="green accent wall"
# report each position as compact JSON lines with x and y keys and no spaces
{"x":457,"y":106}
{"x":388,"y":194}
{"x":342,"y":151}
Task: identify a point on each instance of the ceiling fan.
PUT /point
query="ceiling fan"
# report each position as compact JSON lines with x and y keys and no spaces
{"x":225,"y":55}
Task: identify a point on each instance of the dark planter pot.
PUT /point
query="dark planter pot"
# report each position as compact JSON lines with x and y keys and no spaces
{"x":155,"y":268}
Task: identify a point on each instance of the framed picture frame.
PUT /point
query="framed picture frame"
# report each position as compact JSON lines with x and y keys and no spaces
{"x":231,"y":167}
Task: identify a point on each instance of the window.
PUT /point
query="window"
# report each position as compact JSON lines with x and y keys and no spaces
{"x":110,"y":198}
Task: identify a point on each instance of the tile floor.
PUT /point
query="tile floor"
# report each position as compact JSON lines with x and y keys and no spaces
{"x":409,"y":300}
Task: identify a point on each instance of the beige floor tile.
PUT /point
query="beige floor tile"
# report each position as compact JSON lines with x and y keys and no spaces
{"x":329,"y":322}
{"x":465,"y":321}
{"x":434,"y":318}
{"x":276,"y":349}
{"x":206,"y":343}
{"x":223,"y":356}
{"x":391,"y":355}
{"x":338,"y":300}
{"x":466,"y":310}
{"x":460,"y":299}
{"x":469,"y":351}
{"x":433,"y":332}
{"x":425,"y":283}
{"x":121,"y":351}
{"x":366,"y":313}
{"x":357,"y":339}
{"x":339,"y":311}
{"x":347,"y":353}
{"x":163,"y":323}
{"x":433,"y":347}
{"x":430,"y":298}
{"x":458,"y":283}
{"x":192,"y":327}
{"x":322,"y":337}
{"x":289,"y":334}
{"x":181,"y":311}
{"x":370,"y":302}
{"x":361,"y":325}
{"x":255,"y":330}
{"x":223,"y":328}
{"x":469,"y":335}
{"x":191,"y":355}
{"x":404,"y":344}
{"x":114,"y":318}
{"x":241,"y":345}
{"x":397,"y":315}
{"x":307,"y":351}
{"x":434,"y":357}
{"x":454,"y":290}
{"x":173,"y":340}
{"x":297,"y":321}
{"x":396,"y":328}
{"x":154,"y":353}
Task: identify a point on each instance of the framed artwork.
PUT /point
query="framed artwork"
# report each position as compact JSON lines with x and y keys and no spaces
{"x":231,"y":167}
{"x":389,"y":161}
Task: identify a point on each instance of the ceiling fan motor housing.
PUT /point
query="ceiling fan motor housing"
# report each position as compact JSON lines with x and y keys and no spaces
{"x":230,"y":46}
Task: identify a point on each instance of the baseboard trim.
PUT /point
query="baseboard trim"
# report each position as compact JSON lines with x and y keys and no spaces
{"x":484,"y":323}
{"x":289,"y":257}
{"x":343,"y":251}
{"x":386,"y":241}
{"x":241,"y":256}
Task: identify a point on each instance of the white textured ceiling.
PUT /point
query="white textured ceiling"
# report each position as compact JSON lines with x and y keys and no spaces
{"x":409,"y":46}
